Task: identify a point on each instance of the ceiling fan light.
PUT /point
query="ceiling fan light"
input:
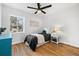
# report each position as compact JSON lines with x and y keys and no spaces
{"x":39,"y":11}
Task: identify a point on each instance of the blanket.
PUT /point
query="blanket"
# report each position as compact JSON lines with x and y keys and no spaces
{"x":32,"y":41}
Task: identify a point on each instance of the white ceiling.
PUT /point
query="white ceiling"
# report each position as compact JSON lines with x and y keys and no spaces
{"x":55,"y":6}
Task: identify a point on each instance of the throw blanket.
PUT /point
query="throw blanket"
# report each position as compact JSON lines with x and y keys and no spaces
{"x":32,"y":41}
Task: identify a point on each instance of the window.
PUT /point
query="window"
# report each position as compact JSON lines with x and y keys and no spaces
{"x":16,"y":24}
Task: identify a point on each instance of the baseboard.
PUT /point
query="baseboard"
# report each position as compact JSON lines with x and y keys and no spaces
{"x":17,"y":42}
{"x":76,"y":46}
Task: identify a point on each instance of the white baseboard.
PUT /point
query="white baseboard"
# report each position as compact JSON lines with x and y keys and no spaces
{"x":77,"y":46}
{"x":17,"y":42}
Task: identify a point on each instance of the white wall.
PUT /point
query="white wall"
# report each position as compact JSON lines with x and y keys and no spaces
{"x":0,"y":14}
{"x":18,"y":37}
{"x":69,"y":20}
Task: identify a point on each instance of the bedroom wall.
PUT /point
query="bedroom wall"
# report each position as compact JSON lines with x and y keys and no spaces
{"x":0,"y":14}
{"x":19,"y":37}
{"x":68,"y":18}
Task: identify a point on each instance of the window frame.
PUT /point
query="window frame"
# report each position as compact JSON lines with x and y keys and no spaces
{"x":22,"y":24}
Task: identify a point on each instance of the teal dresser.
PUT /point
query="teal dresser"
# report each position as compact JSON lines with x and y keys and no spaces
{"x":6,"y":44}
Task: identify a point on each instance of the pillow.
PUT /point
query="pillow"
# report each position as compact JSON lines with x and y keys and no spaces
{"x":45,"y":29}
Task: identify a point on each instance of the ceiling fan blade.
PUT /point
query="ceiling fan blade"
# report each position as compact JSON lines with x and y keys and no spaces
{"x":31,"y":7}
{"x":36,"y":12}
{"x":38,"y":4}
{"x":43,"y":11}
{"x":46,"y":7}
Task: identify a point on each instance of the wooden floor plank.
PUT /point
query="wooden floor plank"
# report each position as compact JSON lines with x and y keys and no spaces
{"x":48,"y":49}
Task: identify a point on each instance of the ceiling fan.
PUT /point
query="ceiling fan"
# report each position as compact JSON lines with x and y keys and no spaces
{"x":39,"y":8}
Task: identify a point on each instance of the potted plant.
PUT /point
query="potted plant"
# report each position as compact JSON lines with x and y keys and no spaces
{"x":2,"y":30}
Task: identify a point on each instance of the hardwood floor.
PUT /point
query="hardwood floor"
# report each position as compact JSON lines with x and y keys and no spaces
{"x":48,"y":49}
